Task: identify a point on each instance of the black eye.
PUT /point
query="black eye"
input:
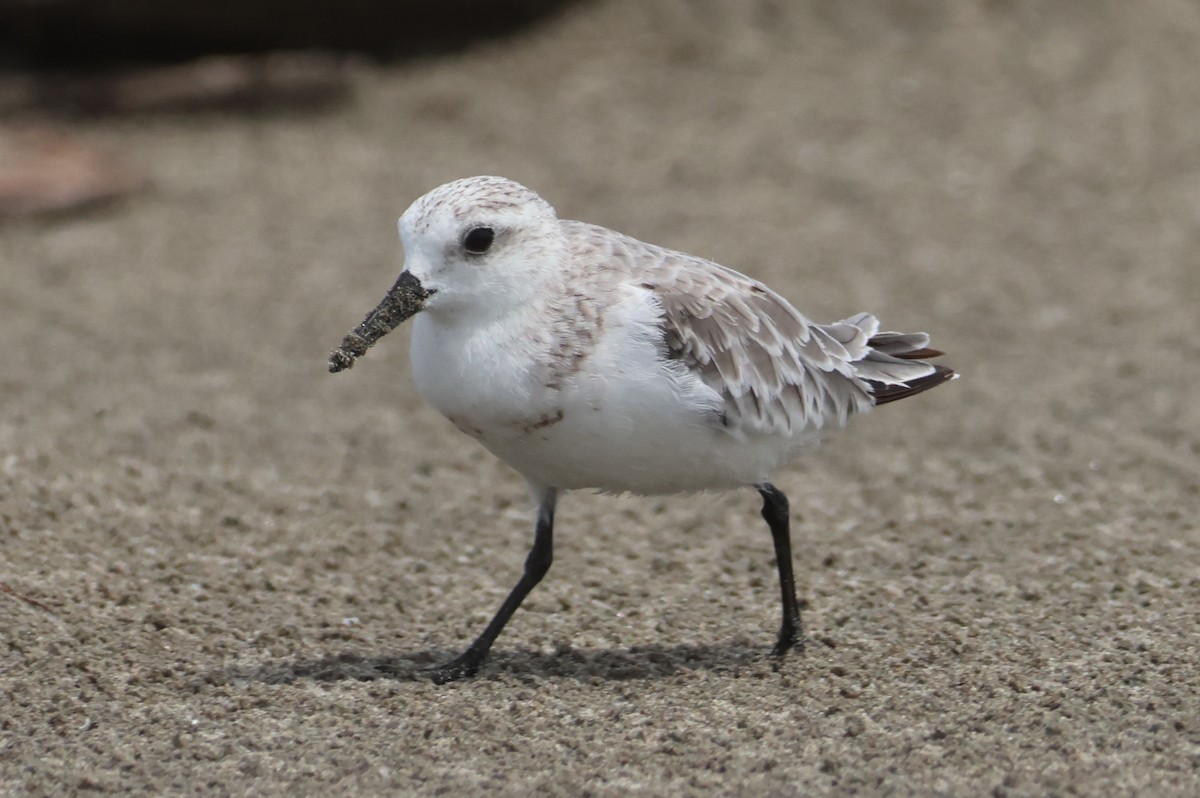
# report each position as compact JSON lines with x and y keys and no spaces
{"x":478,"y":240}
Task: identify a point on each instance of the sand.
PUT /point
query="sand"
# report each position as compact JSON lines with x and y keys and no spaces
{"x":243,"y":561}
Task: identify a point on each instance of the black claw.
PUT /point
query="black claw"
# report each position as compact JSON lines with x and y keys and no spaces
{"x":461,"y":667}
{"x":788,"y":641}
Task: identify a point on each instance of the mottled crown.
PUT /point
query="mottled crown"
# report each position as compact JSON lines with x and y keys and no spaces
{"x":472,"y":195}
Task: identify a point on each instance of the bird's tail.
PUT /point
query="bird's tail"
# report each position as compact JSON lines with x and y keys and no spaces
{"x":894,"y":365}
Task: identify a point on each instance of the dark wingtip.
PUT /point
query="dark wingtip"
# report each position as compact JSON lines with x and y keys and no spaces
{"x":919,"y":354}
{"x":890,"y":393}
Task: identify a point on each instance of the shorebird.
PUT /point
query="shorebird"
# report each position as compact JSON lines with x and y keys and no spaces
{"x":584,"y":358}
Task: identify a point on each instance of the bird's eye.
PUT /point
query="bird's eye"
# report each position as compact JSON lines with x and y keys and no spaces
{"x":478,"y":240}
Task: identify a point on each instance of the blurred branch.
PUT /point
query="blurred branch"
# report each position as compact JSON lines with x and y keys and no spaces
{"x":31,"y":602}
{"x":43,"y":171}
{"x":304,"y":79}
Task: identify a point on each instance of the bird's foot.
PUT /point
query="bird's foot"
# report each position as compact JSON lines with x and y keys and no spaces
{"x":788,"y":639}
{"x":461,"y":667}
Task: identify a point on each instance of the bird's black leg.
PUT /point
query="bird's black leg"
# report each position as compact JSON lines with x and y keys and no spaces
{"x":775,"y":513}
{"x":536,"y":566}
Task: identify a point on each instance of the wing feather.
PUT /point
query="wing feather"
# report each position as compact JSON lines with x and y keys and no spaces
{"x":777,"y":371}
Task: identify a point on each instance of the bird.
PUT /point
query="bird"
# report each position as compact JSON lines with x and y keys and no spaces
{"x":587,"y":359}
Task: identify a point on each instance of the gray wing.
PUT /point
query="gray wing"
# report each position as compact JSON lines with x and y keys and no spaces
{"x":777,"y":371}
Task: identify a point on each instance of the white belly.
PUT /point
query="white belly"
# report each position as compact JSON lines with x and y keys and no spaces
{"x":624,"y":421}
{"x":647,"y":452}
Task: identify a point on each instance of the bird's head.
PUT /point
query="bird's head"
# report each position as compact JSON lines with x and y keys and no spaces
{"x":480,"y":245}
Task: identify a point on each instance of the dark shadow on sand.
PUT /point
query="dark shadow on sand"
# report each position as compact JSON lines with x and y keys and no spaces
{"x":607,"y":664}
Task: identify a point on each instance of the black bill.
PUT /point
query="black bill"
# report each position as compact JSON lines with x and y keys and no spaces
{"x":405,"y":299}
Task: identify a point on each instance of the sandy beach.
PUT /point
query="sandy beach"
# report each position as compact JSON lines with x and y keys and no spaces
{"x":236,"y":564}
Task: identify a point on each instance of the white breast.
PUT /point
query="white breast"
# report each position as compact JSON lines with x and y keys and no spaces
{"x":478,"y":376}
{"x":621,"y":418}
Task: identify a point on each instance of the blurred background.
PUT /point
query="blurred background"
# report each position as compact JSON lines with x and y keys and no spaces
{"x":89,"y":32}
{"x":198,"y":200}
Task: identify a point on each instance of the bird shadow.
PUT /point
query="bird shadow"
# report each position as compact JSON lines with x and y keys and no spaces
{"x":582,"y":664}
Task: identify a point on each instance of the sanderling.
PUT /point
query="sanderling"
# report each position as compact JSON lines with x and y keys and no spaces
{"x":584,"y":358}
